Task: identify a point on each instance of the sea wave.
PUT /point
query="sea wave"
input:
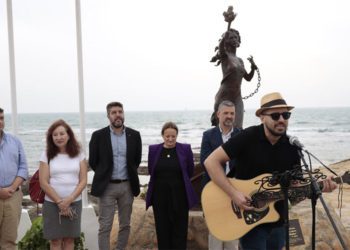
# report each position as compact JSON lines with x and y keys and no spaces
{"x":324,"y":130}
{"x":315,"y":128}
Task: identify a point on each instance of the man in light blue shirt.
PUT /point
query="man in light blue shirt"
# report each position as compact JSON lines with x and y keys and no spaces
{"x":13,"y":171}
{"x":120,"y":171}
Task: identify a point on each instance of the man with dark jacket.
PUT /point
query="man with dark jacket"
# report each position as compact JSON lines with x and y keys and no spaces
{"x":115,"y":155}
{"x":211,"y":140}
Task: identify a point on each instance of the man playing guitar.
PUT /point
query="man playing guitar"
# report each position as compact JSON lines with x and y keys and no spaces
{"x":258,"y":150}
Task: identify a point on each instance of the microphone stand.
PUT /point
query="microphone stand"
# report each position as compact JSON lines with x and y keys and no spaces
{"x":284,"y":180}
{"x":285,"y":183}
{"x":315,"y":194}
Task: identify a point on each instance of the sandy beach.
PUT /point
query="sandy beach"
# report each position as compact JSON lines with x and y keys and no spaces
{"x":332,"y":198}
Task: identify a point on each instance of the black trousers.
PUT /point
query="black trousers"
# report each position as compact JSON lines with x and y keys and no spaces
{"x":171,"y":218}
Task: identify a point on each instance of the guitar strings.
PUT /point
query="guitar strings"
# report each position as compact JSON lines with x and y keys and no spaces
{"x":340,"y":196}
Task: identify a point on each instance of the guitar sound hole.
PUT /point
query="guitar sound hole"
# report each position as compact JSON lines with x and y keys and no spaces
{"x":260,"y":200}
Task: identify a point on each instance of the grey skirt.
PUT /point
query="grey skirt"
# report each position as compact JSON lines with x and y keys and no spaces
{"x":58,"y":228}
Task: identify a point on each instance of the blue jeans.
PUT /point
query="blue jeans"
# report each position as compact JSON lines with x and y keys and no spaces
{"x":264,"y":238}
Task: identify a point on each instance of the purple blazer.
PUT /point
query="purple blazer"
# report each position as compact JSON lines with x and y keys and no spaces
{"x":185,"y":156}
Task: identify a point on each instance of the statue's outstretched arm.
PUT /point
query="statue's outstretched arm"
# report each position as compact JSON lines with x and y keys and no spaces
{"x":253,"y":67}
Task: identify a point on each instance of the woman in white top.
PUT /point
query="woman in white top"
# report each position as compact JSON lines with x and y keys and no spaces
{"x":63,"y":177}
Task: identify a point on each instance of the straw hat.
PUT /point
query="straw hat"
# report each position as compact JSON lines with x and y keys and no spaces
{"x":271,"y":101}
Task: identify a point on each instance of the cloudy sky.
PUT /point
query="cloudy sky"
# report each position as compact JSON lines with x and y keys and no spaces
{"x":154,"y":54}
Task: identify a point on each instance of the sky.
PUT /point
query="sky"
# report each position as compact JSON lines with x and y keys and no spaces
{"x":154,"y":54}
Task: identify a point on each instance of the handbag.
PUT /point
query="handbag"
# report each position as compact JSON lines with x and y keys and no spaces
{"x":35,"y":192}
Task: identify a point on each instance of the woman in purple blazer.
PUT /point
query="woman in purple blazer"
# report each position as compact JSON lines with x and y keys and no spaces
{"x":170,"y":165}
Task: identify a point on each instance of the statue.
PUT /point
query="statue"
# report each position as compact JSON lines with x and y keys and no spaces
{"x":232,"y":69}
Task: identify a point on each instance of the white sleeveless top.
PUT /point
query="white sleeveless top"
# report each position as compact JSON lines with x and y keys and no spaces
{"x":64,"y":173}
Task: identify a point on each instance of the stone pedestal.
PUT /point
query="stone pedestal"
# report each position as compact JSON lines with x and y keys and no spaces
{"x":326,"y":237}
{"x":143,"y":232}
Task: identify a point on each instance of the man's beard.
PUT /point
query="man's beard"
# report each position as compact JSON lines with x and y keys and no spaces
{"x":118,"y":125}
{"x":276,"y":133}
{"x":228,"y":123}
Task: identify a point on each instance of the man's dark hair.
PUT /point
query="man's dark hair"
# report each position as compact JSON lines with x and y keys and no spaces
{"x":113,"y":104}
{"x":1,"y":110}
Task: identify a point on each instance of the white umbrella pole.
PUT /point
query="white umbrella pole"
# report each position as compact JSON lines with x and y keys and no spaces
{"x":81,"y":85}
{"x":89,"y":223}
{"x":25,"y":223}
{"x":12,"y":67}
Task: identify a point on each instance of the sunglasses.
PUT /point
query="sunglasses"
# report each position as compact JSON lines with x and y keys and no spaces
{"x":276,"y":116}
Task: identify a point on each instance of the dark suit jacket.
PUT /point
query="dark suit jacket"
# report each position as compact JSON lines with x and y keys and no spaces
{"x":185,"y":156}
{"x":101,"y":159}
{"x":211,"y":140}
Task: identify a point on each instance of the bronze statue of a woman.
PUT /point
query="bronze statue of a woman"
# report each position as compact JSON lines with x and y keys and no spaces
{"x":232,"y":69}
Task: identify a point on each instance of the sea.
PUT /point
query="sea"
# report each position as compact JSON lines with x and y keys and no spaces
{"x":325,"y":132}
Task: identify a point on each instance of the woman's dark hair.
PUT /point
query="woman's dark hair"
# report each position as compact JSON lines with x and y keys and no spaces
{"x":72,"y":147}
{"x":169,"y":125}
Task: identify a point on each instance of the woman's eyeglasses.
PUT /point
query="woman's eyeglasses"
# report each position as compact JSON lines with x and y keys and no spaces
{"x":276,"y":116}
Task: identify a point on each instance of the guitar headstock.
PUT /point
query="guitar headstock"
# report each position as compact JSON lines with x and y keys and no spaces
{"x":346,"y":177}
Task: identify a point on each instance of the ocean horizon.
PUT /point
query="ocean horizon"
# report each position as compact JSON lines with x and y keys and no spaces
{"x":325,"y":132}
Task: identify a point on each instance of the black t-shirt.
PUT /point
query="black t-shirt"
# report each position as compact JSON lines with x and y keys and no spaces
{"x":168,"y":166}
{"x":255,"y":155}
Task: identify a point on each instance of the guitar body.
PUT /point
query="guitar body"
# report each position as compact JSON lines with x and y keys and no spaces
{"x":223,"y":221}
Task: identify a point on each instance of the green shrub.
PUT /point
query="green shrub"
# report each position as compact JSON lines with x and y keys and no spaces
{"x":34,"y":240}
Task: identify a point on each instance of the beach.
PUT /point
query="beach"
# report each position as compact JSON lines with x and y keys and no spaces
{"x":332,"y":198}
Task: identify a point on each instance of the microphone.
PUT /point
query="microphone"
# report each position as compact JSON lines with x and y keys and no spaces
{"x":295,"y":142}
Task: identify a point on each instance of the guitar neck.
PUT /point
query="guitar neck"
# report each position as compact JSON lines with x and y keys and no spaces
{"x":337,"y":180}
{"x":295,"y":194}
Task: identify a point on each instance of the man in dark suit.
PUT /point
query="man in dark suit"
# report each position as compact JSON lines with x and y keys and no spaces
{"x":115,"y":155}
{"x":212,"y":139}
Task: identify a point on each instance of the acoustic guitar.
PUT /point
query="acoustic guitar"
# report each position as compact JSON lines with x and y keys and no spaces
{"x":226,"y":221}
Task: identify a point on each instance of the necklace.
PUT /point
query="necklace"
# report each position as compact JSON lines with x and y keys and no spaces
{"x":168,"y":152}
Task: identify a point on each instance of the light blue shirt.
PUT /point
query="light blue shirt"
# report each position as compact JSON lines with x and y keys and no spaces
{"x":13,"y":161}
{"x":119,"y":155}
